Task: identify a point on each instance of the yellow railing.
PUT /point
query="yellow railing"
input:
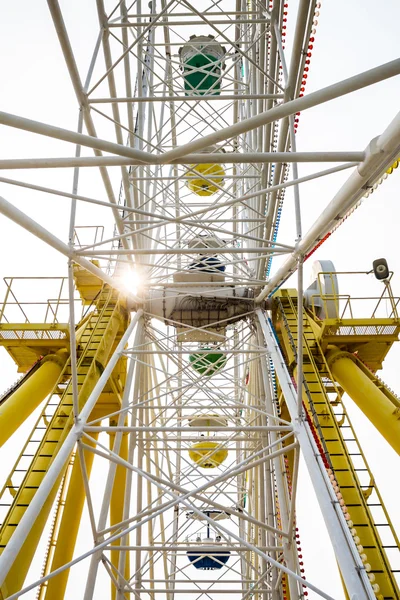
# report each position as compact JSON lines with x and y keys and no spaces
{"x":345,"y":306}
{"x":20,"y":306}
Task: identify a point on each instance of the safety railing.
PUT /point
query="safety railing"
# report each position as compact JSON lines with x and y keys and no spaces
{"x":347,"y":306}
{"x":87,"y":235}
{"x":210,"y":538}
{"x":35,"y":307}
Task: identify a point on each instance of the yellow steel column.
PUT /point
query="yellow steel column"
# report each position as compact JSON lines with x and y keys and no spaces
{"x":98,"y":349}
{"x":16,"y":576}
{"x":374,"y":404}
{"x":117,"y":506}
{"x":70,"y":523}
{"x":17,"y":408}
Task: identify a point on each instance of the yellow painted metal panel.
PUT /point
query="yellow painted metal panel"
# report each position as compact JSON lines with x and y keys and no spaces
{"x":87,"y":284}
{"x":16,"y":575}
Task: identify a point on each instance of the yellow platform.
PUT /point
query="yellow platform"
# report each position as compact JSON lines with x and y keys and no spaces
{"x":27,"y":342}
{"x":370,"y":339}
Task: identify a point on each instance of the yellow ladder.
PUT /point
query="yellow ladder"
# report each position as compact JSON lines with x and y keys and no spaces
{"x":96,"y":341}
{"x":360,"y":494}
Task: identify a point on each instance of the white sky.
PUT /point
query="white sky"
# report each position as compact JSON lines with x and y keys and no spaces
{"x":352,"y":36}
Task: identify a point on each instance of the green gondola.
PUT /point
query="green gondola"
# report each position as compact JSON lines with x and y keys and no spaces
{"x":208,"y":364}
{"x":202,"y":65}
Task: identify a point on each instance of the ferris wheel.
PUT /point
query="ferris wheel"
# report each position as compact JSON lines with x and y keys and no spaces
{"x":177,"y":393}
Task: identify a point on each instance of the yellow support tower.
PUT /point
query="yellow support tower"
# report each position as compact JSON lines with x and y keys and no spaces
{"x":375,"y":404}
{"x":66,"y":526}
{"x":97,"y":336}
{"x":16,"y":407}
{"x":117,"y":506}
{"x":356,"y":489}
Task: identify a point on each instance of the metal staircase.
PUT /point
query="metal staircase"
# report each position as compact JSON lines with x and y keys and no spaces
{"x":371,"y":527}
{"x":97,"y":338}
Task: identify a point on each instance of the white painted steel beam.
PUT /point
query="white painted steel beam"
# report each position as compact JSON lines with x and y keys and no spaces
{"x":16,"y":542}
{"x":336,"y":90}
{"x":182,"y":500}
{"x":203,"y":98}
{"x":156,"y":429}
{"x":102,"y":545}
{"x":16,"y":215}
{"x":347,"y":86}
{"x":169,"y":215}
{"x":231,"y":158}
{"x":381,"y":153}
{"x":189,"y":218}
{"x":81,"y":95}
{"x":350,"y":564}
{"x":67,"y":135}
{"x":179,"y":251}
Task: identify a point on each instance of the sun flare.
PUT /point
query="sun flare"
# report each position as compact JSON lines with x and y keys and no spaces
{"x":132,"y":281}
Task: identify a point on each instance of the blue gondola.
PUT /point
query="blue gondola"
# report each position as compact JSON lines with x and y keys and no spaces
{"x":209,"y":559}
{"x":207,"y":264}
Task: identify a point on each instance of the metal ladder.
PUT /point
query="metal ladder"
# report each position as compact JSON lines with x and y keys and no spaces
{"x":357,"y":485}
{"x":55,"y":419}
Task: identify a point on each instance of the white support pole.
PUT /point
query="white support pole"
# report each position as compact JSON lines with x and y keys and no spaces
{"x":139,"y":481}
{"x":303,"y":23}
{"x":157,"y":511}
{"x":71,"y":287}
{"x":331,"y":92}
{"x":269,"y":510}
{"x":158,"y":429}
{"x":295,"y":478}
{"x":184,"y":219}
{"x":113,"y":90}
{"x":105,"y":505}
{"x":205,"y":97}
{"x":198,"y":159}
{"x":381,"y":153}
{"x":248,"y":463}
{"x":72,"y":338}
{"x":280,"y":479}
{"x":81,"y":95}
{"x":184,"y":500}
{"x":336,"y":90}
{"x":167,"y":251}
{"x":67,"y":135}
{"x":131,"y":452}
{"x":32,"y":512}
{"x":16,"y":215}
{"x":352,"y":569}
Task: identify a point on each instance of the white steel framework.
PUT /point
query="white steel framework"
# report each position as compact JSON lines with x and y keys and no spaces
{"x":153,"y":140}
